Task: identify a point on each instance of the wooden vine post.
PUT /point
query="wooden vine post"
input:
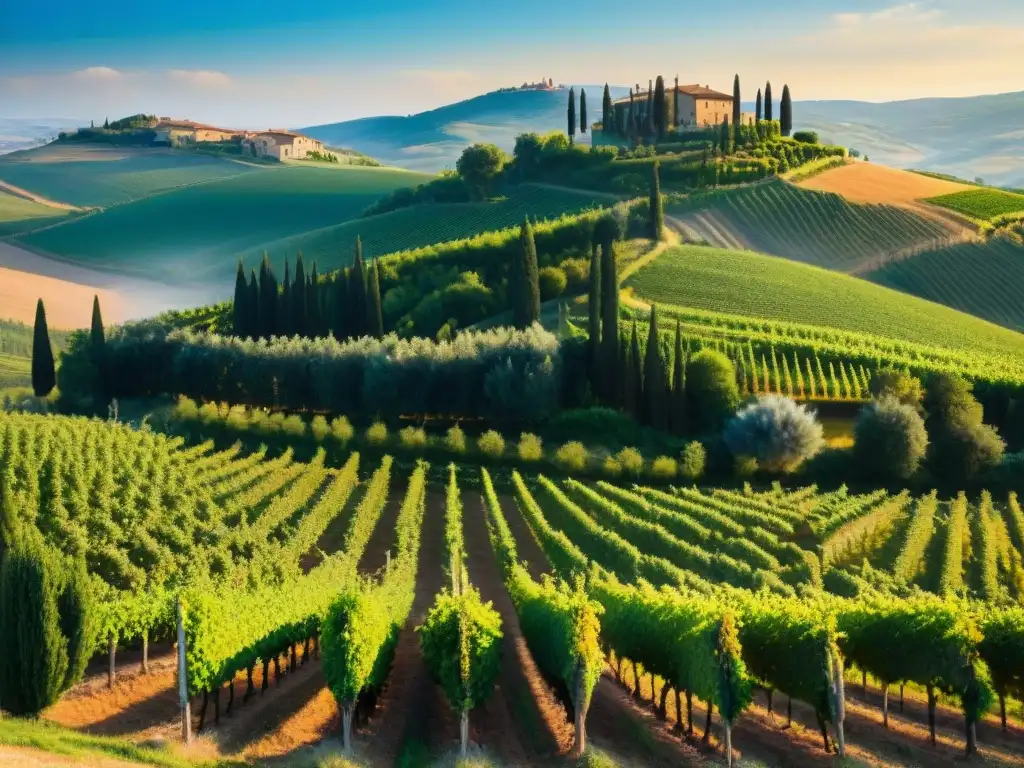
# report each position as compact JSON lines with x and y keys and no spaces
{"x":186,"y":706}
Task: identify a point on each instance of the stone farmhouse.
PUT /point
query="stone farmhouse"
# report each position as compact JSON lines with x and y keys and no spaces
{"x":169,"y":131}
{"x":687,"y":106}
{"x":280,"y":144}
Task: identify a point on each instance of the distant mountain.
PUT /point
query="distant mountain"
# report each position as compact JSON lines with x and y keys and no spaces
{"x":432,"y":141}
{"x":25,"y":133}
{"x":969,"y":137}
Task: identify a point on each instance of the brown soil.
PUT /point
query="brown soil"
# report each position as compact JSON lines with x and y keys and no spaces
{"x":411,"y":709}
{"x":871,"y":183}
{"x":522,"y":723}
{"x":68,"y":305}
{"x":382,"y":540}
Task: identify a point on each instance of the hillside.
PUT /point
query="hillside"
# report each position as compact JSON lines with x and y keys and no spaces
{"x":18,"y":214}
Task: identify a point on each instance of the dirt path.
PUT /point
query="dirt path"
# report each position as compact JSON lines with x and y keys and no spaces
{"x":411,"y":712}
{"x":522,"y":723}
{"x":24,"y":193}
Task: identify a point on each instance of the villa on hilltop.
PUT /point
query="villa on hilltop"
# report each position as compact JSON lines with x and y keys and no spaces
{"x":280,"y":144}
{"x":174,"y":132}
{"x":687,"y":106}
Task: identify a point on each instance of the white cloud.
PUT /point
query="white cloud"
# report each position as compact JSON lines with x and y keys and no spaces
{"x":97,"y":73}
{"x":203,"y":78}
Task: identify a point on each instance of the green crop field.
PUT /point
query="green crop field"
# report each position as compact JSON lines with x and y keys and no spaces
{"x":985,"y":279}
{"x":198,"y":232}
{"x":15,"y":371}
{"x":754,"y":285}
{"x":805,"y":225}
{"x":18,"y":214}
{"x":423,"y":225}
{"x":101,"y":176}
{"x":983,"y":203}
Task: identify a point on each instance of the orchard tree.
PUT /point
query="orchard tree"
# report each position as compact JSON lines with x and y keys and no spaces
{"x":768,"y":102}
{"x":786,"y":112}
{"x":44,"y":376}
{"x":583,"y":111}
{"x":571,"y":115}
{"x":479,"y":166}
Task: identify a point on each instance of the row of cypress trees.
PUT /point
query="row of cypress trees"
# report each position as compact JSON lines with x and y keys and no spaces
{"x":571,"y":112}
{"x":47,"y":622}
{"x":763,"y":106}
{"x":346,"y":306}
{"x":44,"y":375}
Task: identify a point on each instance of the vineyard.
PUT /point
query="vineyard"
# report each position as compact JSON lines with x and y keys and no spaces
{"x":145,"y":237}
{"x":419,"y":226}
{"x":703,"y":600}
{"x":98,"y":176}
{"x":18,"y":214}
{"x":983,"y":203}
{"x":819,"y":228}
{"x":984,"y":279}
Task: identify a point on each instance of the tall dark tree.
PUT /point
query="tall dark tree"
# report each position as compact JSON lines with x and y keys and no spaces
{"x":571,"y":115}
{"x":340,"y":309}
{"x":284,"y":308}
{"x":44,"y":377}
{"x":656,"y":211}
{"x":607,"y":110}
{"x":583,"y":111}
{"x":240,"y":307}
{"x":786,"y":112}
{"x":631,"y":121}
{"x":526,"y":284}
{"x":737,"y":117}
{"x":675,"y":103}
{"x":357,"y":291}
{"x":313,"y":304}
{"x":594,"y":316}
{"x":634,"y":377}
{"x":660,"y":113}
{"x":254,"y":302}
{"x":606,"y":235}
{"x":649,"y":127}
{"x":758,"y":107}
{"x":725,"y":137}
{"x":298,"y":298}
{"x":78,"y":624}
{"x":98,"y":346}
{"x":768,"y":102}
{"x":678,"y":408}
{"x":268,"y":299}
{"x":654,"y":376}
{"x":375,"y":317}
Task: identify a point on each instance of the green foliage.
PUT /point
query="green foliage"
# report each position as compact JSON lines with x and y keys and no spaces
{"x":342,"y":430}
{"x":43,"y":373}
{"x":889,"y":439}
{"x":806,"y":137}
{"x":631,"y":461}
{"x":479,"y":166}
{"x":553,"y":283}
{"x":491,"y":444}
{"x":78,"y":621}
{"x":777,"y":432}
{"x":377,"y":433}
{"x":573,"y":456}
{"x":898,"y":384}
{"x":711,"y":391}
{"x":455,"y":439}
{"x":984,"y":203}
{"x":919,"y":533}
{"x":530,"y":447}
{"x":693,"y":460}
{"x":951,"y":578}
{"x":664,"y":468}
{"x":413,"y":438}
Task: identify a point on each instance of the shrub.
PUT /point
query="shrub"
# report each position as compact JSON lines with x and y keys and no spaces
{"x":237,"y":418}
{"x":413,"y":437}
{"x":664,"y":468}
{"x":611,"y":467}
{"x":186,"y":409}
{"x":577,"y":275}
{"x":806,"y":137}
{"x":377,"y":434}
{"x":573,"y":456}
{"x":889,"y":439}
{"x":777,"y":432}
{"x":694,"y":458}
{"x":293,"y":426}
{"x":631,"y":461}
{"x":319,"y":428}
{"x":552,"y":283}
{"x":491,"y":444}
{"x":530,"y":447}
{"x":455,"y":440}
{"x":712,"y":394}
{"x":897,"y":384}
{"x":960,"y":454}
{"x":341,"y":430}
{"x":209,"y":413}
{"x":744,"y":467}
{"x":274,"y":423}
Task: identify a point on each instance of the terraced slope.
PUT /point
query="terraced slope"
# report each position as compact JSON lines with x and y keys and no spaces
{"x":820,"y":228}
{"x":18,"y":214}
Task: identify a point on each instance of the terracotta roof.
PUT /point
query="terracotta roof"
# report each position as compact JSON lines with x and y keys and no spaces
{"x":193,"y":125}
{"x":282,"y":133}
{"x":697,"y":91}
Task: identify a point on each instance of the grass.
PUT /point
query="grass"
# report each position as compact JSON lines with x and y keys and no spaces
{"x":14,"y":371}
{"x":18,"y":214}
{"x":224,"y":219}
{"x":753,"y":285}
{"x":819,"y":228}
{"x":984,"y":279}
{"x":422,"y":225}
{"x":984,"y":203}
{"x":42,"y":735}
{"x":99,"y":176}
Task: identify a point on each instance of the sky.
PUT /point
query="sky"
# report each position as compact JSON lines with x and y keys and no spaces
{"x":266,"y":63}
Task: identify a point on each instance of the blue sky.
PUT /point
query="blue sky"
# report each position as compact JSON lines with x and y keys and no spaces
{"x":255,"y":63}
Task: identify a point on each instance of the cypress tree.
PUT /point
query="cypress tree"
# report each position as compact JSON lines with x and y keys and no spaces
{"x":44,"y":377}
{"x":610,"y":309}
{"x":298,"y":303}
{"x":313,"y":304}
{"x":657,"y":213}
{"x":724,"y":136}
{"x":571,"y":116}
{"x":678,"y":410}
{"x":357,"y":288}
{"x":737,"y":117}
{"x":631,"y":119}
{"x":786,"y":112}
{"x":757,"y":108}
{"x":654,"y":376}
{"x":239,"y":309}
{"x":649,"y":114}
{"x":583,"y":111}
{"x":341,"y":302}
{"x":375,"y":318}
{"x":526,"y":307}
{"x":606,"y":111}
{"x":34,"y":662}
{"x":660,"y":117}
{"x":10,"y":524}
{"x":98,"y":345}
{"x":268,"y":299}
{"x":635,"y":378}
{"x":594,"y":316}
{"x":675,"y":103}
{"x":77,"y":622}
{"x":284,"y":307}
{"x":254,"y":302}
{"x":768,"y":102}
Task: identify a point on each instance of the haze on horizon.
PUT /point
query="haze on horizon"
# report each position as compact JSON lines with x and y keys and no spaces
{"x":255,"y":63}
